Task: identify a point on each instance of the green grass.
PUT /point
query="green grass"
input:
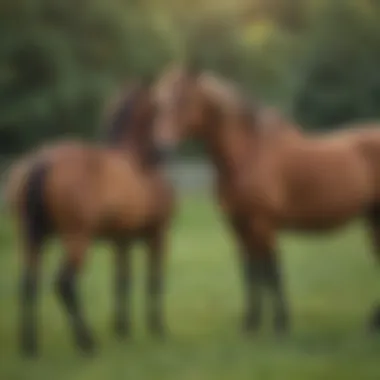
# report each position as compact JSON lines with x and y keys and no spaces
{"x":332,"y":283}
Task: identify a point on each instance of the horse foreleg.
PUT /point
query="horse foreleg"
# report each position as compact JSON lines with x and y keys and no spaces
{"x":253,"y":286}
{"x":76,"y":246}
{"x":122,"y":289}
{"x":273,"y":278}
{"x":261,"y":240}
{"x":156,"y":252}
{"x":28,"y":295}
{"x":251,"y":275}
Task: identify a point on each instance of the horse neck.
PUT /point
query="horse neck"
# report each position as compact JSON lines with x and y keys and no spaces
{"x":271,"y":130}
{"x":219,"y":96}
{"x":229,"y":160}
{"x":143,"y":154}
{"x":135,"y":145}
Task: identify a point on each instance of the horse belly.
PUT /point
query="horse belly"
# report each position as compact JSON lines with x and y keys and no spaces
{"x":331,"y":203}
{"x":134,"y":206}
{"x":126,"y":212}
{"x":322,"y":218}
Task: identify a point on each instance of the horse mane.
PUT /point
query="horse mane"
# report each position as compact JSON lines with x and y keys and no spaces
{"x":119,"y":113}
{"x":120,"y":120}
{"x":169,"y":77}
{"x":225,"y":91}
{"x":231,"y":96}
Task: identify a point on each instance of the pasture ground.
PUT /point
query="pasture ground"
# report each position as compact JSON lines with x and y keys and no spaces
{"x":332,"y":283}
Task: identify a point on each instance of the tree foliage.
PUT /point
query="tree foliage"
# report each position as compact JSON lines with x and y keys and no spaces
{"x":340,"y":79}
{"x":60,"y":60}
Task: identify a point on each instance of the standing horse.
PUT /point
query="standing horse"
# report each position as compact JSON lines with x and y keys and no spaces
{"x":270,"y":175}
{"x":80,"y":192}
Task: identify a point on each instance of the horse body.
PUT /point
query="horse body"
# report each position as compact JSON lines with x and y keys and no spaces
{"x":80,"y":192}
{"x":134,"y":205}
{"x":83,"y":187}
{"x":270,"y":175}
{"x":323,"y":182}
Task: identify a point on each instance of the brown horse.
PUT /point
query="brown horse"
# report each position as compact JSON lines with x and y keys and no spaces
{"x":270,"y":175}
{"x":80,"y":192}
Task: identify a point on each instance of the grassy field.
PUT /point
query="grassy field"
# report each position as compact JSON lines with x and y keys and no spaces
{"x":332,"y":282}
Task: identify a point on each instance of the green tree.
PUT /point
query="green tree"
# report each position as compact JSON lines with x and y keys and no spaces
{"x":340,"y":80}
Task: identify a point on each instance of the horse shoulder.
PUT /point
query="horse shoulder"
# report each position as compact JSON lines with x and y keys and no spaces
{"x":128,"y":193}
{"x":248,"y":193}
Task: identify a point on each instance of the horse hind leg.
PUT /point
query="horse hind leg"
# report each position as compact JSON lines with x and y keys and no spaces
{"x":34,"y":226}
{"x":76,"y":245}
{"x":374,"y":225}
{"x":155,"y":240}
{"x":122,"y":289}
{"x":28,"y":296}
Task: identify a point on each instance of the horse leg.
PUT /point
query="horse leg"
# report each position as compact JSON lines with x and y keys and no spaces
{"x":28,"y":296}
{"x":374,"y":224}
{"x":76,"y":246}
{"x":34,"y":225}
{"x":273,"y":279}
{"x":251,"y":277}
{"x":155,"y":242}
{"x":261,"y":241}
{"x":122,"y":288}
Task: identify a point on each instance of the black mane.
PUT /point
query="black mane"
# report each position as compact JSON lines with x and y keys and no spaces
{"x":121,"y":119}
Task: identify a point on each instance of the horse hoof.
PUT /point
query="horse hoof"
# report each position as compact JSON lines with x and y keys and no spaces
{"x":86,"y":344}
{"x":281,"y":332}
{"x":121,"y":330}
{"x":29,"y":351}
{"x":281,"y":326}
{"x":157,"y":329}
{"x":250,"y":325}
{"x":158,"y":332}
{"x":87,"y":349}
{"x":28,"y":346}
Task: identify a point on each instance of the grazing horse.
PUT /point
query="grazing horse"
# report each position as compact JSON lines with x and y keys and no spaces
{"x":269,"y":174}
{"x":79,"y":192}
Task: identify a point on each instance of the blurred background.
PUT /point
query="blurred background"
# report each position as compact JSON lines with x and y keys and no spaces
{"x":60,"y":60}
{"x":316,"y":60}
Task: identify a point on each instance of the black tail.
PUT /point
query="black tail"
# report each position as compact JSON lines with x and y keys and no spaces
{"x":35,"y":211}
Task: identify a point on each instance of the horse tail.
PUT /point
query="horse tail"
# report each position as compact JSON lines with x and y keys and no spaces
{"x":14,"y":182}
{"x":35,"y":213}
